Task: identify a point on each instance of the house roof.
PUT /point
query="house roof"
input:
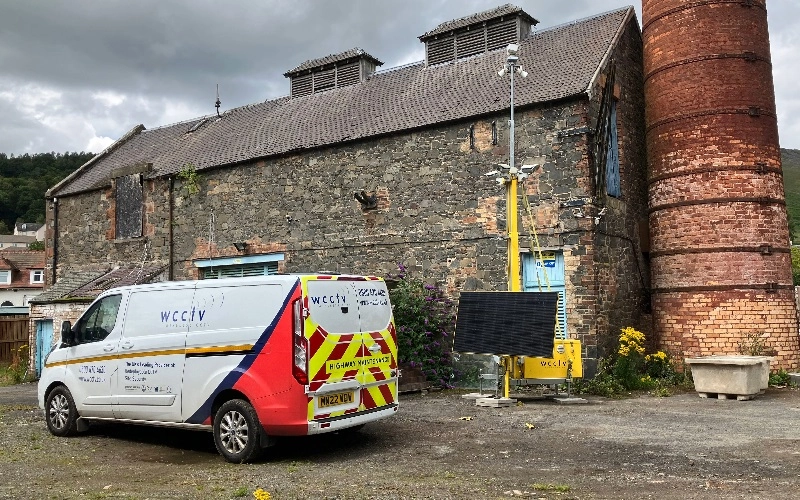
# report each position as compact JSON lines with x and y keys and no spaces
{"x":333,"y":58}
{"x":85,"y":286}
{"x":480,"y":17}
{"x":28,"y":226}
{"x":561,"y":61}
{"x":22,"y":258}
{"x":17,"y":238}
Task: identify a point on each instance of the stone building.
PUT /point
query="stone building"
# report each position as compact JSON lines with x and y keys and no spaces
{"x":360,"y":169}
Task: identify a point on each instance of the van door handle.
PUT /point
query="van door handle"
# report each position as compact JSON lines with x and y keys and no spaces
{"x":374,"y":348}
{"x":108,"y":347}
{"x":127,"y":345}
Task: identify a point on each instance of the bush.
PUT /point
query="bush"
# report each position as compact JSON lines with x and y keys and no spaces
{"x":425,"y":319}
{"x":780,"y":378}
{"x":629,"y":368}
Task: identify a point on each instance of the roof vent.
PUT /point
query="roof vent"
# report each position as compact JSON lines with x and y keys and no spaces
{"x":330,"y":72}
{"x":476,"y":34}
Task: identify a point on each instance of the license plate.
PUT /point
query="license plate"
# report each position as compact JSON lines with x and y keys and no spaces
{"x":337,"y":398}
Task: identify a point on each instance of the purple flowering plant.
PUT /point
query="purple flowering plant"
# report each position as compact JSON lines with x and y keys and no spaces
{"x":425,"y":319}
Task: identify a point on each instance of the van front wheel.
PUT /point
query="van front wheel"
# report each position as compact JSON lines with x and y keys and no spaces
{"x":237,"y":431}
{"x":60,"y":412}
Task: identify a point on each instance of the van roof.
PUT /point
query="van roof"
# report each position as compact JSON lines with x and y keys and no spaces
{"x":250,"y":280}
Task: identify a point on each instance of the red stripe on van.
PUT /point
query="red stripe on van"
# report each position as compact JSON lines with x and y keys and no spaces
{"x":387,"y":393}
{"x":377,"y":373}
{"x":366,"y":400}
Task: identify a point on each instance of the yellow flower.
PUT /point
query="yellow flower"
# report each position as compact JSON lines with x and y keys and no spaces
{"x":260,"y":494}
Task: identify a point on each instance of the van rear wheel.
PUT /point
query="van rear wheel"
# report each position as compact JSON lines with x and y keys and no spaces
{"x":237,"y":432}
{"x":60,"y":412}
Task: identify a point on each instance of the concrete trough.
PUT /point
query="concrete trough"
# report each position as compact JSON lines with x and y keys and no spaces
{"x":730,"y":375}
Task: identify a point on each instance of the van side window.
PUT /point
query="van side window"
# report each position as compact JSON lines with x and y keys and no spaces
{"x":98,"y":321}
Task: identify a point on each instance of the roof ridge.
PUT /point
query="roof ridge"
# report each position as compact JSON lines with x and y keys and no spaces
{"x":583,"y":19}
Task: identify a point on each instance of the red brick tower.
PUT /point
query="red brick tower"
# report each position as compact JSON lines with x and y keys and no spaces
{"x":720,"y":261}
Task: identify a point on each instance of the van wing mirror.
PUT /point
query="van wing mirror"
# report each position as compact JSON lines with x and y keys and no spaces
{"x":67,"y":335}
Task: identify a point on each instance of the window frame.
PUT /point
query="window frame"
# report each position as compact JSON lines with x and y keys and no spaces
{"x":39,"y":273}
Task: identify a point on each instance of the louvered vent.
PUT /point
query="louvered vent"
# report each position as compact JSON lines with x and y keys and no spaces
{"x":324,"y":80}
{"x":330,"y":72}
{"x":441,"y":50}
{"x":501,"y":34}
{"x":348,"y":75}
{"x":470,"y":43}
{"x":476,"y":34}
{"x":241,"y":271}
{"x":301,"y":85}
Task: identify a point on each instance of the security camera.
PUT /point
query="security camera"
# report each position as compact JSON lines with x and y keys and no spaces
{"x":512,"y":49}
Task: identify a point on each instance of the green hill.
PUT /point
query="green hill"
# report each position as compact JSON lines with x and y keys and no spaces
{"x":25,"y":178}
{"x":791,"y":184}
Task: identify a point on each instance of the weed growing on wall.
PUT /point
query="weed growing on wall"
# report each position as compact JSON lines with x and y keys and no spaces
{"x":191,"y":179}
{"x":425,"y":319}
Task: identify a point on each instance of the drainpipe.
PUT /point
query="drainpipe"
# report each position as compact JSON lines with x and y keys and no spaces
{"x":169,"y":222}
{"x":55,"y":240}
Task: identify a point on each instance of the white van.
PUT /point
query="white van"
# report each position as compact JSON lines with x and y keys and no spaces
{"x":247,"y":358}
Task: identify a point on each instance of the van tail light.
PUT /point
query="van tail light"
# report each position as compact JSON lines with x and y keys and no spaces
{"x":299,"y":344}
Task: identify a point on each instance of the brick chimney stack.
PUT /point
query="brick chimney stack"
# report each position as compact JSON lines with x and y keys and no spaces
{"x":720,"y":260}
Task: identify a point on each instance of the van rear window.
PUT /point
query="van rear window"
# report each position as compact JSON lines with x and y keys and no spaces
{"x":340,"y":306}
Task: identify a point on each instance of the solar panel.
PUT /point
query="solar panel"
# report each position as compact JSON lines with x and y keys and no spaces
{"x":506,"y":323}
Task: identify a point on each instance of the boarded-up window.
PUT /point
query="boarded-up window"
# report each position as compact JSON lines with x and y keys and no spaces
{"x":129,"y":206}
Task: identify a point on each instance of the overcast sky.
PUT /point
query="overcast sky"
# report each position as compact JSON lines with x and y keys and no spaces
{"x":76,"y":75}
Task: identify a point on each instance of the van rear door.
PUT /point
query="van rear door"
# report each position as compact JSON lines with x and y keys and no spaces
{"x":352,"y":351}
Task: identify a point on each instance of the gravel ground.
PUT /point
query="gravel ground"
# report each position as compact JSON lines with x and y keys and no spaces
{"x":438,"y":446}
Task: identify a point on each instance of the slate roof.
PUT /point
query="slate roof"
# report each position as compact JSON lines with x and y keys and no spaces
{"x":23,"y":259}
{"x":17,"y":238}
{"x":480,"y":17}
{"x":561,"y":61}
{"x":333,"y":58}
{"x":62,"y":288}
{"x":85,"y":286}
{"x":28,"y":226}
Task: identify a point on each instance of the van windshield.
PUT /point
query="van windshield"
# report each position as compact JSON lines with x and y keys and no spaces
{"x":341,"y":306}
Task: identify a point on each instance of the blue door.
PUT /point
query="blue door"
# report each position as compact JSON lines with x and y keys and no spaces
{"x":537,"y":274}
{"x":44,"y":342}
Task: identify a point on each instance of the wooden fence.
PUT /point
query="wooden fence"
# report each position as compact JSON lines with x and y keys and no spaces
{"x":13,"y":335}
